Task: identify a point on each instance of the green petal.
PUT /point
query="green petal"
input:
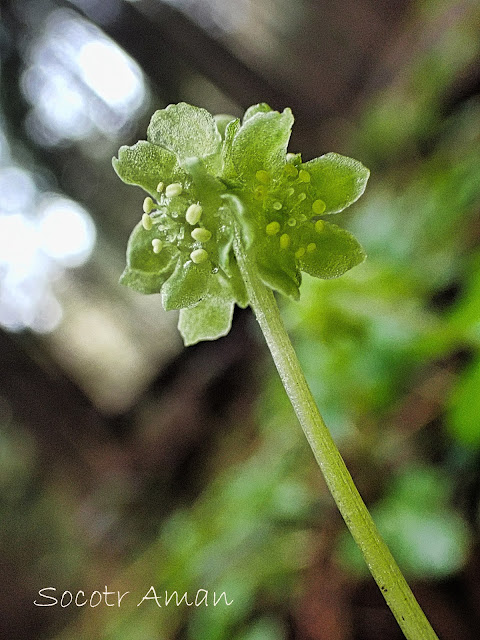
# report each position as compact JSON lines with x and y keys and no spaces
{"x":262,"y":107}
{"x":229,"y":172}
{"x":146,"y":165}
{"x":146,"y":271}
{"x":186,"y":131}
{"x":187,"y":285}
{"x":222,"y":120}
{"x":336,"y":251}
{"x":208,"y":320}
{"x":337,"y":180}
{"x":261,"y":144}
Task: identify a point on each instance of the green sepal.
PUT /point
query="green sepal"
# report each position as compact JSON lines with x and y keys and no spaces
{"x":337,"y":180}
{"x":235,"y":282}
{"x":146,"y":271}
{"x":145,"y":165}
{"x":186,"y":131}
{"x":208,"y":320}
{"x":261,"y":144}
{"x":211,"y":318}
{"x":336,"y":252}
{"x":240,"y":214}
{"x":187,"y":285}
{"x":278,"y":269}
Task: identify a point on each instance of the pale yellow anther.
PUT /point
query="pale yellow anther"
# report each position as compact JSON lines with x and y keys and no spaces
{"x":319,"y":226}
{"x":290,"y":157}
{"x":174,"y":189}
{"x":303,"y":176}
{"x":263,"y":176}
{"x":272,"y":228}
{"x":148,"y":205}
{"x":302,"y":196}
{"x":291,"y":222}
{"x":193,"y":213}
{"x":201,"y":235}
{"x":318,"y":207}
{"x":198,"y":256}
{"x":157,"y":245}
{"x":311,"y":247}
{"x":160,"y":187}
{"x":290,"y":191}
{"x":300,"y":252}
{"x":284,"y":241}
{"x":277,"y":205}
{"x":147,"y":222}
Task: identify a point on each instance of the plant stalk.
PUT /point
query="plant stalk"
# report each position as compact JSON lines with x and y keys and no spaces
{"x":378,"y":557}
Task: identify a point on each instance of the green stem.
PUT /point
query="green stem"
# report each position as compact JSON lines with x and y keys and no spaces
{"x":380,"y":561}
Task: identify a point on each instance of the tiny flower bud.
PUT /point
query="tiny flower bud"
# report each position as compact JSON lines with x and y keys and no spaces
{"x":311,"y":247}
{"x":299,"y":252}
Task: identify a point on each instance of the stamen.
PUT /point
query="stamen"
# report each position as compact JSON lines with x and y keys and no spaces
{"x":147,"y":222}
{"x":318,"y":207}
{"x":319,"y":226}
{"x":277,"y":205}
{"x":193,"y":214}
{"x":198,"y":256}
{"x":272,"y":228}
{"x":174,"y":189}
{"x":303,"y":176}
{"x":201,"y":235}
{"x":311,"y":247}
{"x":148,"y":205}
{"x":284,"y":241}
{"x":160,"y":187}
{"x":299,"y":252}
{"x":157,"y":245}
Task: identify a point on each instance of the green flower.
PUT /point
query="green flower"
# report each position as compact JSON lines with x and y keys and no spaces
{"x":204,"y":178}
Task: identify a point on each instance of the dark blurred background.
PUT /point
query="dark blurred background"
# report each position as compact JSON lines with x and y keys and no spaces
{"x":128,"y":461}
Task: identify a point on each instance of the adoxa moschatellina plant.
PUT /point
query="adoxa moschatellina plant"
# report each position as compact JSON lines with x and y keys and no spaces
{"x":230,"y":217}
